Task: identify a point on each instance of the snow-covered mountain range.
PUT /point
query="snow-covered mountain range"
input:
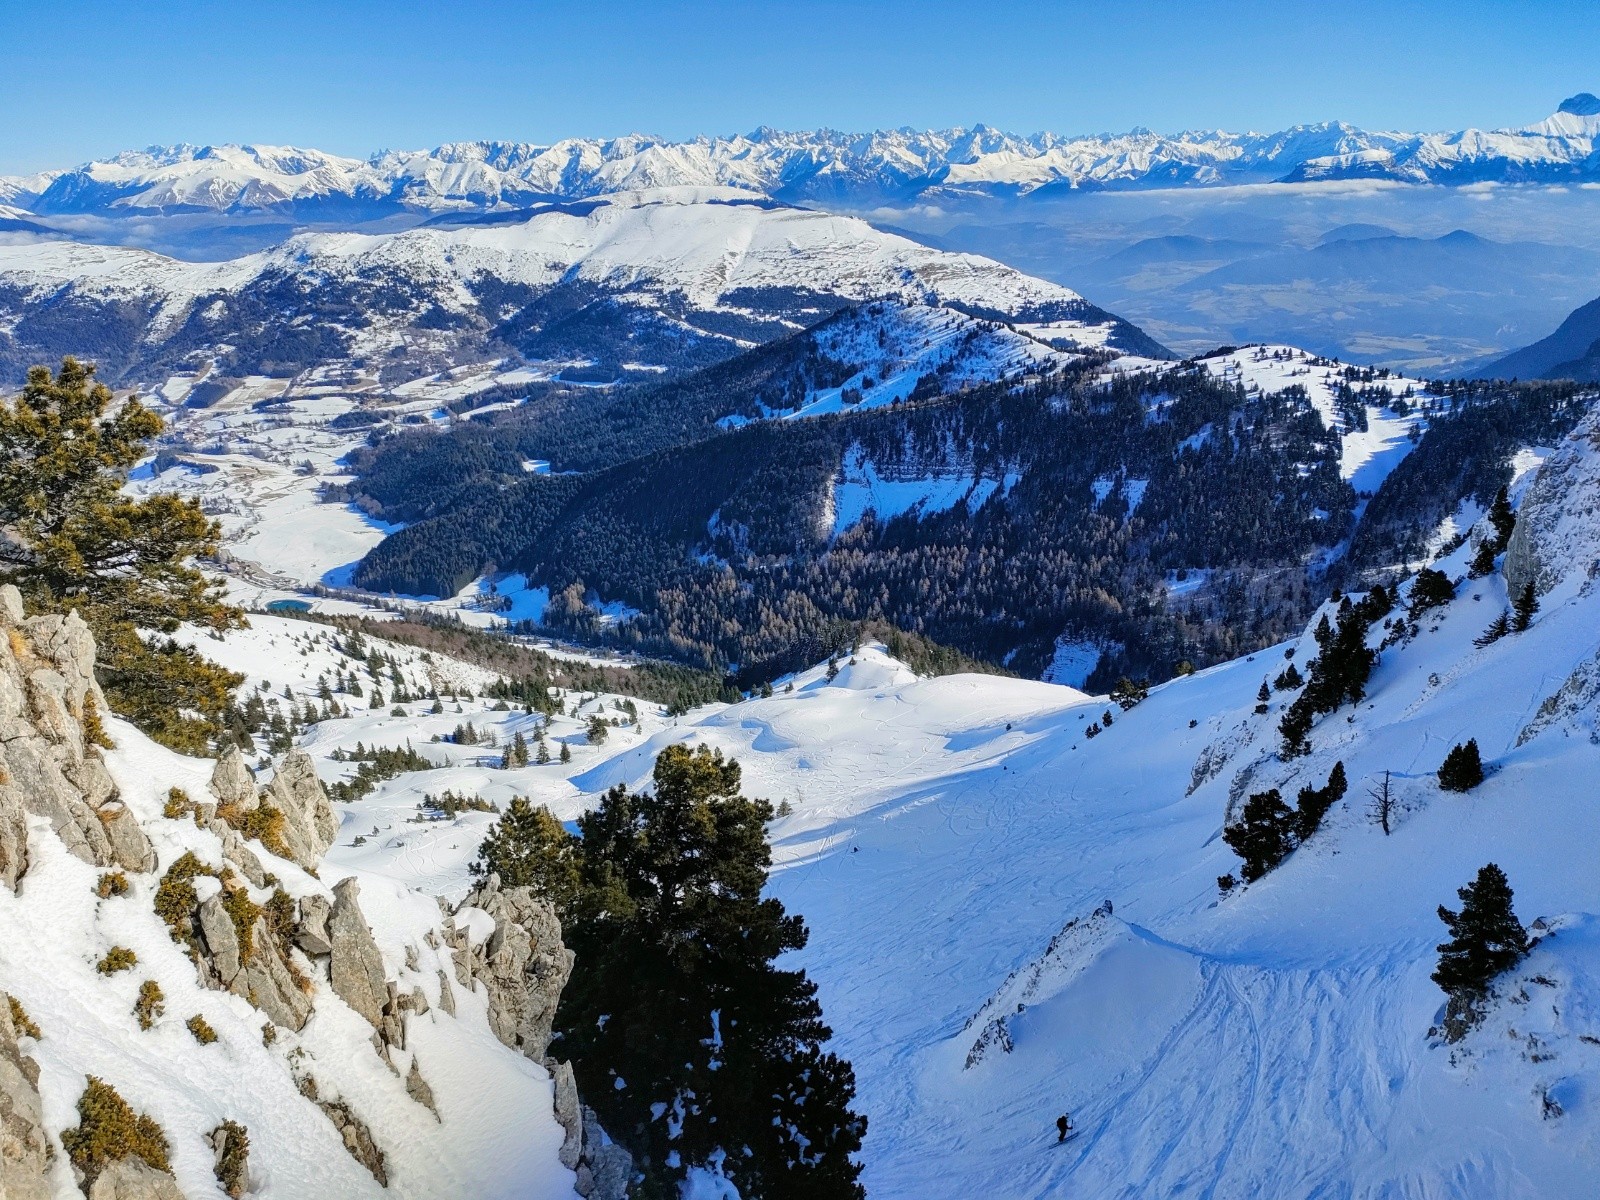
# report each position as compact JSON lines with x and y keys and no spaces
{"x":652,"y":278}
{"x":845,"y":169}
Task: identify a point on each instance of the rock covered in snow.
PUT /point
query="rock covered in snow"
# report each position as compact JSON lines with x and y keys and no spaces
{"x":353,"y":1131}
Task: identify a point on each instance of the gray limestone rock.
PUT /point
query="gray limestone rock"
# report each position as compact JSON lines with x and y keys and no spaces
{"x":265,"y":977}
{"x":130,"y":848}
{"x":524,"y":964}
{"x":311,"y":927}
{"x":569,"y":1112}
{"x":309,"y":825}
{"x":609,"y":1166}
{"x":24,"y":1144}
{"x":232,"y":782}
{"x":417,"y":1088}
{"x":134,"y":1179}
{"x":355,"y":966}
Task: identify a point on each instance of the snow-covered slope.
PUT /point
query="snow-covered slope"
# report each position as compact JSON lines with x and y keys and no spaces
{"x":1011,"y":918}
{"x":844,"y":168}
{"x":702,"y":242}
{"x":955,"y":843}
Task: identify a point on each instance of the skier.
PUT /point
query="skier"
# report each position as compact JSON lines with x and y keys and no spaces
{"x":1063,"y":1127}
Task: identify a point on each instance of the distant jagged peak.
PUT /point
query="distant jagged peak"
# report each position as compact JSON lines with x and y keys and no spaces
{"x":1584,"y":104}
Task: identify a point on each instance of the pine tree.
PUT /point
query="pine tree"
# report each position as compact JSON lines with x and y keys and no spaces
{"x":1502,"y":517}
{"x":529,"y":847}
{"x":519,"y":750}
{"x":76,"y":542}
{"x":1312,"y":804}
{"x":1262,"y":698}
{"x":1295,"y":726}
{"x":1486,"y":938}
{"x":542,"y":754}
{"x":1462,"y":769}
{"x":675,"y":946}
{"x":596,"y":732}
{"x":1430,"y":589}
{"x":1483,"y":559}
{"x":566,"y":753}
{"x":1264,"y":835}
{"x":1527,"y":603}
{"x":1498,"y":628}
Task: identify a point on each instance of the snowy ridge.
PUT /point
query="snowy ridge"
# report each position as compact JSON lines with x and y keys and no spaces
{"x":1387,"y":401}
{"x":700,"y":242}
{"x":899,"y":345}
{"x":846,"y":168}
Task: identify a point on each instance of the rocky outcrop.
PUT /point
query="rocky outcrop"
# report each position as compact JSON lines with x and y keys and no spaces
{"x":606,"y":1169}
{"x":134,"y":1179}
{"x":265,"y":975}
{"x":24,"y":1145}
{"x":355,"y":967}
{"x":50,"y":766}
{"x":308,"y":825}
{"x":417,"y":1088}
{"x":231,"y":780}
{"x":311,"y":928}
{"x":569,"y":1112}
{"x":353,"y":1131}
{"x":523,"y":963}
{"x":1558,"y":522}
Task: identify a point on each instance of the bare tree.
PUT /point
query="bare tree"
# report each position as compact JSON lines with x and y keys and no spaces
{"x":1382,"y":807}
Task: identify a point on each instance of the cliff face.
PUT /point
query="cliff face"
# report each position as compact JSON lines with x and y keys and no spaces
{"x":1557,"y":535}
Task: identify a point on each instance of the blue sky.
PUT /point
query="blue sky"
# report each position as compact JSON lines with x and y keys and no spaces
{"x":357,"y":76}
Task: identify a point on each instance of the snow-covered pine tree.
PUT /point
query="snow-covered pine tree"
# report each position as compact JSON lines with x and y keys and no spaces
{"x":1523,"y":608}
